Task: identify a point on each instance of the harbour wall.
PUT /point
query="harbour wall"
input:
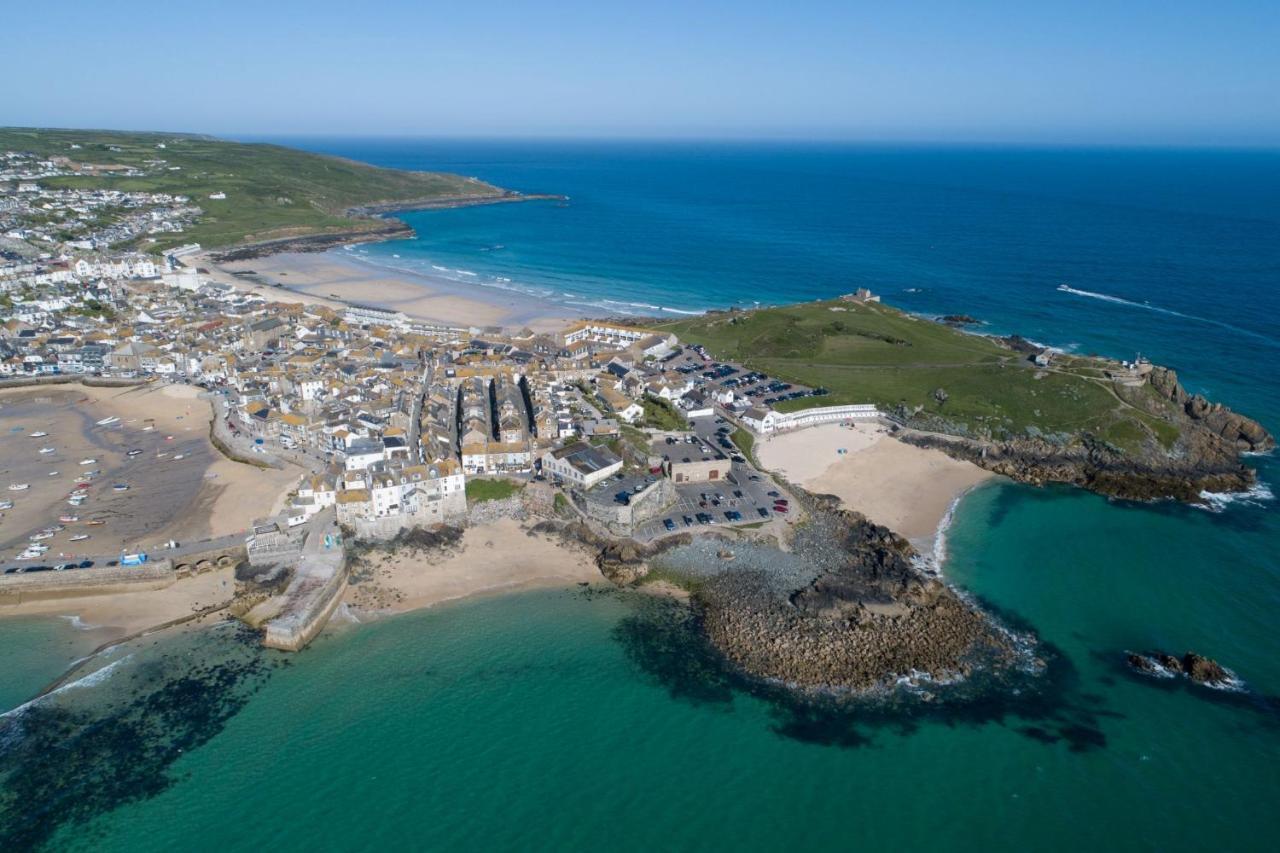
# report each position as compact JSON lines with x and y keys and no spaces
{"x":73,"y":583}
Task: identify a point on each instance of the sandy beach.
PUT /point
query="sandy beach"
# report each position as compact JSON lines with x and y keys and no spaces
{"x":179,"y":486}
{"x":497,"y":557}
{"x":121,"y":614}
{"x":335,"y":278}
{"x":907,"y":489}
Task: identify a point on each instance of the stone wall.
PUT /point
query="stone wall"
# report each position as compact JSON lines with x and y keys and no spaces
{"x":41,"y":586}
{"x":71,"y":379}
{"x":622,"y":519}
{"x":294,"y":632}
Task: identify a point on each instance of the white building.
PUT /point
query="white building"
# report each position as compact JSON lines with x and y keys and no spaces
{"x":581,"y":464}
{"x":764,"y":421}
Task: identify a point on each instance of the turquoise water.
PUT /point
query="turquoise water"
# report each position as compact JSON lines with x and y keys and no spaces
{"x":558,"y":719}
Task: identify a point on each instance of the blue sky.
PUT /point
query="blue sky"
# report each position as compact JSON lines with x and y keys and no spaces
{"x":1123,"y":72}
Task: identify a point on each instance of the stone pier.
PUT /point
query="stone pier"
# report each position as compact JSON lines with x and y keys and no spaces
{"x":315,"y":591}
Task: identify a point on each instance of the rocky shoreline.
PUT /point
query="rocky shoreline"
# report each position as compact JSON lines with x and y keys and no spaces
{"x":379,"y":224}
{"x":841,"y":610}
{"x":1205,"y":457}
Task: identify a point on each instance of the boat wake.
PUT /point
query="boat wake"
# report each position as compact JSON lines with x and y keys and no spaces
{"x":1147,"y":306}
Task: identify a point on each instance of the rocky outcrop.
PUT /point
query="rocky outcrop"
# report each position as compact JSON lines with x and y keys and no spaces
{"x":1242,"y":433}
{"x":959,"y":320}
{"x":867,"y":618}
{"x":387,"y":229}
{"x":1196,"y":668}
{"x":622,"y":561}
{"x":383,"y":208}
{"x":1204,"y":458}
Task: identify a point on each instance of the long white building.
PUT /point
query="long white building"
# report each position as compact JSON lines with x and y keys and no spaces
{"x":764,"y":421}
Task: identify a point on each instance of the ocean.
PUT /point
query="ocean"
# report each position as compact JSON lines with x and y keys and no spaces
{"x":568,"y":719}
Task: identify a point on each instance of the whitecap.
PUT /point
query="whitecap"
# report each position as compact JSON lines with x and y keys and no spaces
{"x":1219,"y":501}
{"x":96,"y":677}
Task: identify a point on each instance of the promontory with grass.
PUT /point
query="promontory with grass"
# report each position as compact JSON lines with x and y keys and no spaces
{"x":1126,"y":429}
{"x":253,"y":198}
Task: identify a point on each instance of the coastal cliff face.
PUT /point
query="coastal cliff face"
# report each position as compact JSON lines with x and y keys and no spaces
{"x":1205,"y":457}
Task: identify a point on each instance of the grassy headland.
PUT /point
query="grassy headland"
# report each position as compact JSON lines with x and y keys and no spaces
{"x":272,"y":192}
{"x":928,"y":372}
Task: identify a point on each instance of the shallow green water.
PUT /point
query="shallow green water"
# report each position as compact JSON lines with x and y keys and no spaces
{"x":524,"y":722}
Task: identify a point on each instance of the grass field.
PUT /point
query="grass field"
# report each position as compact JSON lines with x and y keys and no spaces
{"x":271,"y":191}
{"x":873,"y":353}
{"x":479,"y":491}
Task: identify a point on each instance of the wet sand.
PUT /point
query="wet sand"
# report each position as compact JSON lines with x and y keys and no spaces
{"x":121,"y":614}
{"x":907,"y":489}
{"x":334,"y":279}
{"x":491,"y":558}
{"x":198,"y":495}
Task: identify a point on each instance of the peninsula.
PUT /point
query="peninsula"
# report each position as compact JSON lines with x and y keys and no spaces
{"x":782,"y":472}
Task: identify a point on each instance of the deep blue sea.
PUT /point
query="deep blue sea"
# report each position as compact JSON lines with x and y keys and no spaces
{"x":547,"y":720}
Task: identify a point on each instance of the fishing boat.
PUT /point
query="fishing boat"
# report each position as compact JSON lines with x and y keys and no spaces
{"x":88,"y":461}
{"x":6,"y":505}
{"x":179,"y":456}
{"x":108,"y":421}
{"x":36,"y":537}
{"x":148,"y":428}
{"x":134,"y":452}
{"x":46,"y":450}
{"x":95,"y":522}
{"x":19,"y":487}
{"x":53,"y":473}
{"x":68,"y":519}
{"x":80,"y":537}
{"x":120,"y":487}
{"x":39,"y":434}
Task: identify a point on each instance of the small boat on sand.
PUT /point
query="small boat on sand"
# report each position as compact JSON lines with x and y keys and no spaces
{"x":39,"y":434}
{"x":88,"y":461}
{"x":108,"y":421}
{"x":19,"y":487}
{"x":46,"y":450}
{"x":80,"y":537}
{"x":120,"y":487}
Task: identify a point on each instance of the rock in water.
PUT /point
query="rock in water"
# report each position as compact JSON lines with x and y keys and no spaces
{"x":1204,"y":671}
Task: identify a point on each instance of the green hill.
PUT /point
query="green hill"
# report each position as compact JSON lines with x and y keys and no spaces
{"x":272,"y":192}
{"x":937,"y":376}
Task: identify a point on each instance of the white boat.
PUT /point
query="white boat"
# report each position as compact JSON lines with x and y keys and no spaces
{"x":6,"y":504}
{"x":121,"y":487}
{"x":46,"y":450}
{"x":148,"y":428}
{"x":108,"y":421}
{"x":179,"y":456}
{"x":88,"y":461}
{"x":80,"y":537}
{"x":36,"y":537}
{"x":53,"y":473}
{"x":19,"y":487}
{"x":69,"y":519}
{"x":39,"y":434}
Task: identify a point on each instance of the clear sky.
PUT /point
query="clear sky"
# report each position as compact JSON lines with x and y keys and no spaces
{"x":1123,"y":71}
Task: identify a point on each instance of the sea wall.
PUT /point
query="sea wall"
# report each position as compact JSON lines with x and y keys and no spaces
{"x":72,"y":583}
{"x":71,"y":379}
{"x":298,"y":627}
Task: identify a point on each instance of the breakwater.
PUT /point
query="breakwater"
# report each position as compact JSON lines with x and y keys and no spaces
{"x":41,"y":586}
